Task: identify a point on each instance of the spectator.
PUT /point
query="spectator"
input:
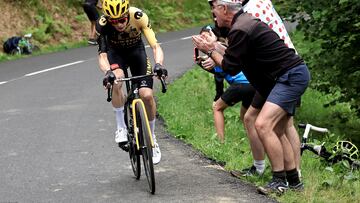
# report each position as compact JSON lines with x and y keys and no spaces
{"x":276,"y":72}
{"x":264,"y":10}
{"x":90,"y":8}
{"x":239,"y":90}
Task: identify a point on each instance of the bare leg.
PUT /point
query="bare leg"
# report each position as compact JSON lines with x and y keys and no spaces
{"x":294,"y":139}
{"x":257,"y":148}
{"x":117,"y":94}
{"x":146,"y":95}
{"x":218,"y":108}
{"x":289,"y":159}
{"x":270,"y":125}
{"x":92,"y":34}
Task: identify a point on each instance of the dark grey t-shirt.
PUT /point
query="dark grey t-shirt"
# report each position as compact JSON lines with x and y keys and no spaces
{"x":258,"y":51}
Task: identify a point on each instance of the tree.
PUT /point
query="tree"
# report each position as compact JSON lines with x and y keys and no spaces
{"x":335,"y":26}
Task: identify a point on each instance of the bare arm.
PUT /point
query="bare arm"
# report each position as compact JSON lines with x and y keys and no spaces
{"x":158,"y":54}
{"x":220,"y":48}
{"x":104,"y":62}
{"x":206,"y":46}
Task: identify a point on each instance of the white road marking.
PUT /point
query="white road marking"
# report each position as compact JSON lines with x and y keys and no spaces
{"x":54,"y":68}
{"x":184,"y":38}
{"x":76,"y":62}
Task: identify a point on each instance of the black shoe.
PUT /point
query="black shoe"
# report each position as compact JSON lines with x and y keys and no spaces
{"x":297,"y":188}
{"x":92,"y":42}
{"x":124,"y":146}
{"x":275,"y":186}
{"x":246,"y":172}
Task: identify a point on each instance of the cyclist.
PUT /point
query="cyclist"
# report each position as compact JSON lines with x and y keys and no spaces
{"x":119,"y":37}
{"x":239,"y":90}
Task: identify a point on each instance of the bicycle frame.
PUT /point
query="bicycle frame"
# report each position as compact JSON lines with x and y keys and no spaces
{"x":139,"y":132}
{"x":133,"y":95}
{"x":309,"y":127}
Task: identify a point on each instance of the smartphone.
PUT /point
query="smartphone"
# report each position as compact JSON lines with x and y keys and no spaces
{"x":197,"y":57}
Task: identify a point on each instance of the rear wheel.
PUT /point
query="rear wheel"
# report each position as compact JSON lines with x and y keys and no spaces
{"x":15,"y":52}
{"x":146,"y":147}
{"x":35,"y":48}
{"x":134,"y":154}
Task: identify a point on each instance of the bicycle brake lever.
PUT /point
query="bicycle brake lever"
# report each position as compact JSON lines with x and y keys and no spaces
{"x":163,"y":85}
{"x":109,"y":94}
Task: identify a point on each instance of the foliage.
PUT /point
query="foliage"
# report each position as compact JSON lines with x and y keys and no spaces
{"x":335,"y":26}
{"x":169,"y":15}
{"x":54,"y":23}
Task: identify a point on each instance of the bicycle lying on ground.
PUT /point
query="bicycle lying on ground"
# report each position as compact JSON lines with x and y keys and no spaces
{"x":140,"y":140}
{"x":342,"y":150}
{"x":20,"y":45}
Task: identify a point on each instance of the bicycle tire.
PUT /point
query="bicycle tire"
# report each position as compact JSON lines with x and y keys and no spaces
{"x":146,"y":147}
{"x":35,"y":48}
{"x":134,"y":154}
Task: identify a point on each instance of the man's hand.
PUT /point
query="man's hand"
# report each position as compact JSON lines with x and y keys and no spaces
{"x":108,"y":79}
{"x":204,"y":44}
{"x":208,"y":64}
{"x":160,"y":71}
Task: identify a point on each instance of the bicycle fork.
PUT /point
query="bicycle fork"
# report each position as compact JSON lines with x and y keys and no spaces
{"x":136,"y":129}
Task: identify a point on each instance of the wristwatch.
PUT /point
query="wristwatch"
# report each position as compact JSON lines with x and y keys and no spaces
{"x":210,"y":52}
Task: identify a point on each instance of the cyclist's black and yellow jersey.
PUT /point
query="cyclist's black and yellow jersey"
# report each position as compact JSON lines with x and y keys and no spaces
{"x":138,"y":23}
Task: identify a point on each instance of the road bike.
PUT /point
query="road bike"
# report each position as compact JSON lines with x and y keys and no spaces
{"x":140,"y":140}
{"x":25,"y":46}
{"x":342,"y":150}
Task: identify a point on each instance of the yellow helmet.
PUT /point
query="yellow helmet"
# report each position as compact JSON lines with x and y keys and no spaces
{"x":115,"y":8}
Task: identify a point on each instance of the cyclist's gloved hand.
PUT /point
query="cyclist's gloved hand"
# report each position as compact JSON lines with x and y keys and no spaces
{"x":160,"y":71}
{"x":108,"y":79}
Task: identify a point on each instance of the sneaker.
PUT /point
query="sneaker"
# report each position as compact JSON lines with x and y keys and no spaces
{"x":297,"y":188}
{"x":92,"y":42}
{"x":246,"y":172}
{"x":121,"y":135}
{"x":156,"y":153}
{"x":276,"y":186}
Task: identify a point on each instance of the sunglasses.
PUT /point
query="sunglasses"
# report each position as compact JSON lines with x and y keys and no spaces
{"x":118,"y":20}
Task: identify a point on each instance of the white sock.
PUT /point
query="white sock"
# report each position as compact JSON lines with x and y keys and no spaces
{"x":260,"y":166}
{"x":152,"y":128}
{"x":120,"y":122}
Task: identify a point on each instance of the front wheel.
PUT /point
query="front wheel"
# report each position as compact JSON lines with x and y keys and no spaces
{"x":134,"y":154}
{"x":146,"y":146}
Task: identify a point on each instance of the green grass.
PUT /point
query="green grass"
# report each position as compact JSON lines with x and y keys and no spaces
{"x":44,"y":50}
{"x":186,"y":109}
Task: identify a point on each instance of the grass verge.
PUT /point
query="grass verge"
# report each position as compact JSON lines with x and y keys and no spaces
{"x":186,"y":109}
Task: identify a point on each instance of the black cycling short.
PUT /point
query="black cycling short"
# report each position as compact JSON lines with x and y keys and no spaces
{"x":258,"y":101}
{"x":243,"y":92}
{"x":90,"y":9}
{"x":135,"y":58}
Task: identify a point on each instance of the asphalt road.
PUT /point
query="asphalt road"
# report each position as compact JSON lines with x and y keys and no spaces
{"x":57,"y":144}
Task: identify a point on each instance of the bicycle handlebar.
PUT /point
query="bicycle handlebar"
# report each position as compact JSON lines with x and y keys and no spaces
{"x":162,"y":79}
{"x":309,"y":127}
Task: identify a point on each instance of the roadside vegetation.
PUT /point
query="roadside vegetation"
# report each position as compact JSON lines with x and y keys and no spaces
{"x":58,"y":25}
{"x":186,"y":110}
